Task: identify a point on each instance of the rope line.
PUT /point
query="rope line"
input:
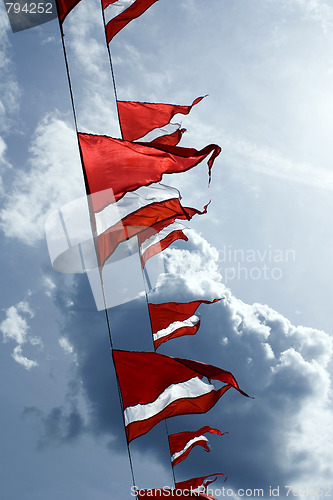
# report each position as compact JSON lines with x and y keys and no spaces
{"x":93,"y":221}
{"x":152,"y":338}
{"x":112,"y":71}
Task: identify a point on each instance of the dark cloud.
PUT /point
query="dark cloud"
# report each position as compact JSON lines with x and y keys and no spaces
{"x":56,"y":427}
{"x":284,"y":367}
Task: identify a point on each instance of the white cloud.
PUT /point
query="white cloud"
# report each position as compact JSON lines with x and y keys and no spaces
{"x":3,"y":147}
{"x":189,"y":273}
{"x":245,"y":156}
{"x":66,"y":345}
{"x":49,"y":285}
{"x":68,"y":348}
{"x":22,"y":360}
{"x":55,"y":176}
{"x":3,"y":160}
{"x":286,"y":367}
{"x":267,"y":161}
{"x":54,"y":179}
{"x":16,"y":328}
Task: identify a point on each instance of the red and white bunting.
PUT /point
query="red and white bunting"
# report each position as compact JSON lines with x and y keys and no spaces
{"x":152,"y":244}
{"x":154,"y":387}
{"x":64,"y":7}
{"x":118,"y":13}
{"x":132,"y":214}
{"x":182,"y":443}
{"x":169,"y":492}
{"x":125,"y":166}
{"x":171,"y":134}
{"x":174,"y":319}
{"x":147,"y":210}
{"x":198,"y":482}
{"x":138,"y":119}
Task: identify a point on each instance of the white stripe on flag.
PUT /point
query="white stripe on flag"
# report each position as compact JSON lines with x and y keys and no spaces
{"x":156,"y":238}
{"x":190,"y":389}
{"x":154,"y":134}
{"x":131,"y":202}
{"x":186,"y":447}
{"x":189,"y":322}
{"x":113,"y":10}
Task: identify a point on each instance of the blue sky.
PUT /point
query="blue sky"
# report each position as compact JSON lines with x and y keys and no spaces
{"x":268,"y":69}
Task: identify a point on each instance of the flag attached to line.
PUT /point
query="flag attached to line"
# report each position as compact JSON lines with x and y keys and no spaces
{"x":197,"y":482}
{"x":168,"y":136}
{"x":155,"y":206}
{"x":155,"y":240}
{"x":64,"y":8}
{"x":154,"y":387}
{"x":182,"y":443}
{"x":167,"y":492}
{"x":124,"y":166}
{"x":139,"y":118}
{"x":175,"y":319}
{"x":118,"y":13}
{"x":134,"y":213}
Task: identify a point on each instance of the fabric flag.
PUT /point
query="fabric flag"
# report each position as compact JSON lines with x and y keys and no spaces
{"x":167,"y":492}
{"x":124,"y":166}
{"x":189,"y":212}
{"x":174,"y":319}
{"x":64,"y":7}
{"x":155,"y":240}
{"x":154,"y":387}
{"x":191,"y":154}
{"x":134,"y":213}
{"x":197,"y":482}
{"x":118,"y":13}
{"x":172,"y":139}
{"x":194,"y":211}
{"x":182,"y":443}
{"x":139,"y":118}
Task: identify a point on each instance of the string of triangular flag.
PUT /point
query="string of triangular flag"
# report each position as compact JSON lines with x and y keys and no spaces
{"x":130,"y":169}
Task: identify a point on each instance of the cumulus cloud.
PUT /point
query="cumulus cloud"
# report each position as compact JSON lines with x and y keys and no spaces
{"x":55,"y":176}
{"x":191,"y":273}
{"x":54,"y":179}
{"x":15,"y":327}
{"x":284,"y":366}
